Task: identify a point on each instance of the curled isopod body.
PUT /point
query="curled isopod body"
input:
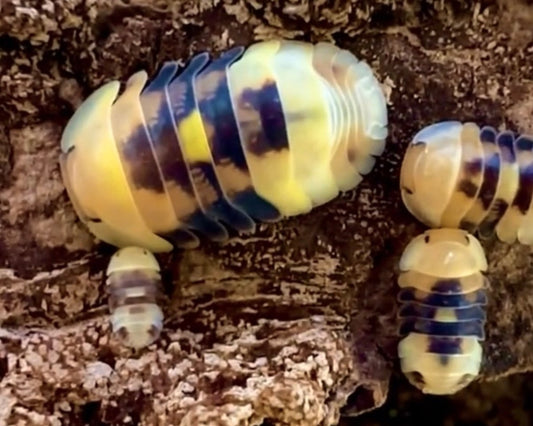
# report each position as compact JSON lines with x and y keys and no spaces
{"x":457,"y":175}
{"x":254,"y":135}
{"x":134,"y":286}
{"x":442,"y":310}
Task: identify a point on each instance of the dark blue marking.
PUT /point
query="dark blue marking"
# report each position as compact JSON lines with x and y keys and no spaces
{"x":220,"y":208}
{"x":491,"y":175}
{"x":182,"y":104}
{"x":181,"y":238}
{"x":437,"y":328}
{"x":445,"y":345}
{"x":473,"y":167}
{"x":410,"y":294}
{"x":217,"y":110}
{"x":488,"y":134}
{"x":210,"y":228}
{"x":168,"y":154}
{"x":416,"y":310}
{"x":137,"y":152}
{"x":476,"y":312}
{"x":447,"y":286}
{"x":522,"y":198}
{"x":505,"y":141}
{"x":267,"y":102}
{"x":166,"y":151}
{"x":524,"y":143}
{"x":444,"y":359}
{"x":256,"y":206}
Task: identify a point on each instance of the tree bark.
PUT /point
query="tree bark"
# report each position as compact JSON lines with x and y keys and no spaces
{"x":293,"y":325}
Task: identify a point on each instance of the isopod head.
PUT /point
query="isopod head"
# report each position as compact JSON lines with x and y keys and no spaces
{"x":133,"y":280}
{"x":429,"y":170}
{"x":444,"y":253}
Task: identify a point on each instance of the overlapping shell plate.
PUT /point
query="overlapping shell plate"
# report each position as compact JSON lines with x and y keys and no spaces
{"x":459,"y":175}
{"x":253,"y":135}
{"x":442,"y":310}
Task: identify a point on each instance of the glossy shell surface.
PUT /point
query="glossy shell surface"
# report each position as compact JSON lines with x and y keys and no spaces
{"x":442,"y":310}
{"x":134,"y":285}
{"x":220,"y":144}
{"x":458,"y":175}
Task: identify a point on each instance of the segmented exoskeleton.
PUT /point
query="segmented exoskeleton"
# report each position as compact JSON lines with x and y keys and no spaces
{"x":442,"y":310}
{"x":460,"y":176}
{"x":134,"y":286}
{"x":253,"y":135}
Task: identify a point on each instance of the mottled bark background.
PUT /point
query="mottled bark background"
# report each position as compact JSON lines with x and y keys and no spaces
{"x":289,"y":325}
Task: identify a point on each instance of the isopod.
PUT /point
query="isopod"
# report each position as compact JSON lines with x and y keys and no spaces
{"x":254,"y":135}
{"x":134,"y":287}
{"x":457,"y":175}
{"x":442,"y":310}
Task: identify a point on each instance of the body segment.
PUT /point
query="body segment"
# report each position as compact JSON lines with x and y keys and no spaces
{"x":253,"y":135}
{"x":462,"y":176}
{"x":442,"y":310}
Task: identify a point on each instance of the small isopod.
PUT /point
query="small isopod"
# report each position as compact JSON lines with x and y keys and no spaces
{"x":134,"y":286}
{"x":457,"y":175}
{"x":442,"y":310}
{"x":256,"y":134}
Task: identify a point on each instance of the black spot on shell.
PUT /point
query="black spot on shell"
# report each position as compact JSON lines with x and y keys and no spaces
{"x":138,"y":153}
{"x":267,"y":102}
{"x":409,"y":191}
{"x":495,"y":214}
{"x":467,"y":225}
{"x":447,"y":286}
{"x":468,"y":188}
{"x":444,"y":359}
{"x":491,"y":176}
{"x":474,"y":167}
{"x":522,"y":198}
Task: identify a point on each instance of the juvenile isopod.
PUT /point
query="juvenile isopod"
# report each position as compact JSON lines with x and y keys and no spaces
{"x":134,"y":286}
{"x":256,"y":134}
{"x":442,"y":310}
{"x":459,"y":175}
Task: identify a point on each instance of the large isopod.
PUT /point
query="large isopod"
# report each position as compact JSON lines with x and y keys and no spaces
{"x":220,"y":144}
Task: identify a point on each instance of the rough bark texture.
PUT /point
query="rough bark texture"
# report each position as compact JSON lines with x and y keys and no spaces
{"x":286,"y":326}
